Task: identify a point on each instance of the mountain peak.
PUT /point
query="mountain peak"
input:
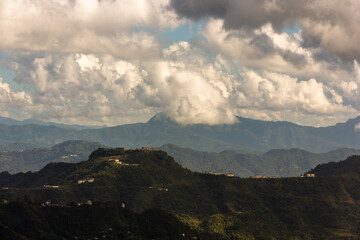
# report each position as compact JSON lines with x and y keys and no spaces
{"x":160,"y":118}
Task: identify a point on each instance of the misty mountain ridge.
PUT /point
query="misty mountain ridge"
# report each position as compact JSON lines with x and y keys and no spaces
{"x":11,"y":121}
{"x":276,"y":162}
{"x":246,"y":136}
{"x":34,"y":159}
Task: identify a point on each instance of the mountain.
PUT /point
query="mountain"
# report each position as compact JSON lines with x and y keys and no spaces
{"x":349,"y":165}
{"x":10,"y":121}
{"x":216,"y":206}
{"x":35,"y":159}
{"x":276,"y":162}
{"x":247,"y":135}
{"x":17,"y":146}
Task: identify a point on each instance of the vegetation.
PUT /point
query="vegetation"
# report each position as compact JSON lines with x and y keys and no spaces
{"x":204,"y":205}
{"x":24,"y":220}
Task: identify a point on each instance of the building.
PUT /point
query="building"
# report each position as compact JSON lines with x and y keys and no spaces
{"x":51,"y":186}
{"x":89,"y":180}
{"x":310,"y":175}
{"x":146,"y":148}
{"x":259,"y":176}
{"x":215,"y":173}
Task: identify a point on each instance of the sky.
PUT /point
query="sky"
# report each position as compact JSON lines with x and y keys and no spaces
{"x":112,"y":62}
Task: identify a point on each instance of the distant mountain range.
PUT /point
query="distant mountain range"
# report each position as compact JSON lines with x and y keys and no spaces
{"x":37,"y":158}
{"x":284,"y":163}
{"x":11,"y":121}
{"x":247,"y":135}
{"x":276,"y":162}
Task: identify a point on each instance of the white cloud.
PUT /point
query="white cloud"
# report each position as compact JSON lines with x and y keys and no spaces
{"x":86,"y":26}
{"x":185,"y":84}
{"x":12,"y":99}
{"x":278,"y":92}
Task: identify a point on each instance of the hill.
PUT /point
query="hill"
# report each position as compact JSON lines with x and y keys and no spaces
{"x":36,"y":158}
{"x":95,"y":221}
{"x":217,"y":206}
{"x":17,"y":146}
{"x":349,"y":165}
{"x":276,"y":162}
{"x":247,"y":135}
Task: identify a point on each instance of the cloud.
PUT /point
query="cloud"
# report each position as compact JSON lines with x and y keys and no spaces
{"x":264,"y":49}
{"x":86,"y":26}
{"x":331,"y":25}
{"x":185,"y":84}
{"x":13,"y":101}
{"x":278,"y":92}
{"x":187,"y":88}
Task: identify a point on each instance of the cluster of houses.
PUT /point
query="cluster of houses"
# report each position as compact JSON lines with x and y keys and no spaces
{"x":117,"y":161}
{"x":88,"y":180}
{"x":261,"y":176}
{"x":71,"y":155}
{"x":48,"y":203}
{"x":219,"y":174}
{"x":308,"y":175}
{"x":51,"y":186}
{"x":143,"y":148}
{"x":160,"y":189}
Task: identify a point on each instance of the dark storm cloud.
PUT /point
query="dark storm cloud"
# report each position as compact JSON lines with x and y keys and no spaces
{"x":263,"y":43}
{"x":199,"y":9}
{"x":332,"y":25}
{"x":244,"y":13}
{"x":308,"y":42}
{"x":297,"y":60}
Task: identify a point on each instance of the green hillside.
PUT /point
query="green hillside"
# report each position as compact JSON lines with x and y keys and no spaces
{"x":217,"y":207}
{"x":349,"y":166}
{"x":26,"y":220}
